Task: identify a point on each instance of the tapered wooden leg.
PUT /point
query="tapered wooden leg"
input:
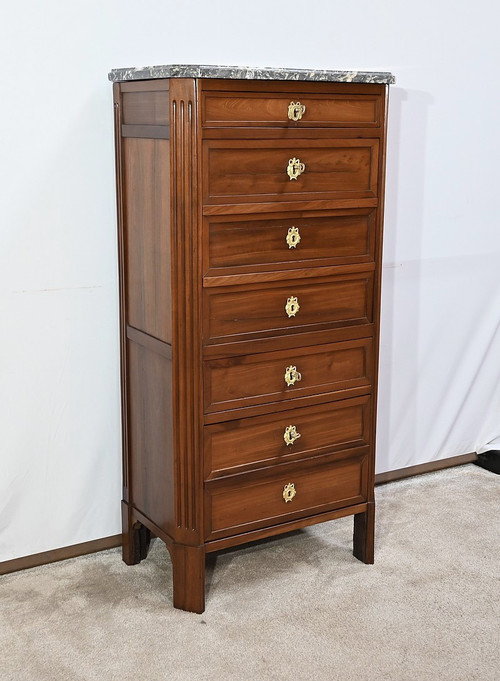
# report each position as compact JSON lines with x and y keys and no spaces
{"x":188,"y":567}
{"x":135,"y":538}
{"x":364,"y":535}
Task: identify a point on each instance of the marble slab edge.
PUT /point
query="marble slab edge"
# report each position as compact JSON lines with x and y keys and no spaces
{"x":249,"y":73}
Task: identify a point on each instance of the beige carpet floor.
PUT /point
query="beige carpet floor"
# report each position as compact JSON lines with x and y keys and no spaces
{"x":295,"y":608}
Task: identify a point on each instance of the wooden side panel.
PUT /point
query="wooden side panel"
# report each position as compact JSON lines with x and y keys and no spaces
{"x":143,"y":167}
{"x":367,"y":521}
{"x":117,"y":110}
{"x":186,"y":280}
{"x":146,"y":108}
{"x":147,"y":236}
{"x":151,"y":435}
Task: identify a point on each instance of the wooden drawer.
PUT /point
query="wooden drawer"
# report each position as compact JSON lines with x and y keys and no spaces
{"x":220,"y":109}
{"x":329,"y":238}
{"x":256,"y":170}
{"x":260,"y":310}
{"x":259,"y":441}
{"x":236,"y":382}
{"x":245,"y":503}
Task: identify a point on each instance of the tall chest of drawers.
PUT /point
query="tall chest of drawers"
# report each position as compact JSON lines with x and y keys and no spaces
{"x":250,"y":210}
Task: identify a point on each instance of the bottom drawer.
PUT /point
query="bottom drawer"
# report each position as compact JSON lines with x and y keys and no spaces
{"x":238,"y":506}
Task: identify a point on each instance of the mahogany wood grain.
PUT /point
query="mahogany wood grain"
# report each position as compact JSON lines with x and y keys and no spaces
{"x":339,"y":237}
{"x":292,"y":134}
{"x":219,"y":277}
{"x":259,"y":441}
{"x":260,"y":310}
{"x":305,"y":205}
{"x":233,"y":347}
{"x":147,"y":237}
{"x":257,"y":170}
{"x":262,"y":109}
{"x":238,"y":382}
{"x":160,"y":132}
{"x":188,"y":576}
{"x":151,"y":449}
{"x":145,"y":85}
{"x":149,"y":342}
{"x":240,"y":538}
{"x":241,"y":507}
{"x":186,"y":310}
{"x":145,"y":108}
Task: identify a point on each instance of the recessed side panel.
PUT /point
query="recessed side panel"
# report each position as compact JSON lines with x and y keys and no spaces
{"x":150,"y":428}
{"x":145,"y":107}
{"x":147,"y":236}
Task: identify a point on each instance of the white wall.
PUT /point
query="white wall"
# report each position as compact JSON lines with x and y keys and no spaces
{"x":59,"y":416}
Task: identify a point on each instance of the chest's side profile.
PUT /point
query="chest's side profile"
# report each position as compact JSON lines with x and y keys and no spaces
{"x":250,"y":220}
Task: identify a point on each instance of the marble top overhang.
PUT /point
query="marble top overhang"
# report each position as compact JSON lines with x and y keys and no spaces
{"x":249,"y":73}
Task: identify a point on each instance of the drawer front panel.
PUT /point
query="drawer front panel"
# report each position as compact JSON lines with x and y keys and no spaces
{"x":236,"y":382}
{"x":260,"y":109}
{"x":262,"y":310}
{"x":251,"y":504}
{"x":257,"y":170}
{"x":260,"y":440}
{"x":340,"y":237}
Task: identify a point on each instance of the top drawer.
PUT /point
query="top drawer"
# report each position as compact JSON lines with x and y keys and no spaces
{"x":300,"y":109}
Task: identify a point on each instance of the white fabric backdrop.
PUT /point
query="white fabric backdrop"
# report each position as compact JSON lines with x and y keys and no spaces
{"x":59,"y":418}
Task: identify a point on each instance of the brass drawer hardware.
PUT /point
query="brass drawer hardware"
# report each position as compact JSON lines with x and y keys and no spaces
{"x":296,"y":110}
{"x":292,"y":375}
{"x":295,"y":168}
{"x":290,"y":435}
{"x":289,"y":492}
{"x":292,"y":306}
{"x":293,"y":237}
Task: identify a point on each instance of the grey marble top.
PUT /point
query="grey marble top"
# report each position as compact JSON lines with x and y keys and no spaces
{"x":249,"y":73}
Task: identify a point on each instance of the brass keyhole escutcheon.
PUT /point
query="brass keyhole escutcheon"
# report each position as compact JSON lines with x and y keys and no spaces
{"x":292,"y":375}
{"x":290,"y":435}
{"x":289,"y":492}
{"x":295,"y":168}
{"x":293,"y":237}
{"x":295,"y":111}
{"x":292,"y":306}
